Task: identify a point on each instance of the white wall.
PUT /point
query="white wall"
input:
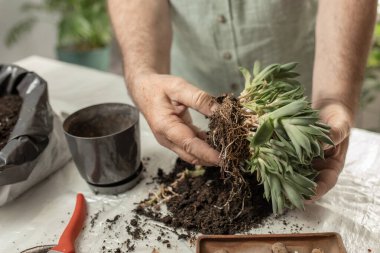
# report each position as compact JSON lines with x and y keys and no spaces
{"x":40,"y":41}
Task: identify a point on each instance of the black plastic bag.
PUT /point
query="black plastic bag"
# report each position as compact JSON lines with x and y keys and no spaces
{"x":30,"y":135}
{"x":36,"y":147}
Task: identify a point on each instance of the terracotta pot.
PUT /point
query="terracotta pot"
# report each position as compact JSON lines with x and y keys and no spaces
{"x":302,"y":243}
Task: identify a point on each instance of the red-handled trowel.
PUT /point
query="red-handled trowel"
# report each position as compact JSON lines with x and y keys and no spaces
{"x":66,"y":242}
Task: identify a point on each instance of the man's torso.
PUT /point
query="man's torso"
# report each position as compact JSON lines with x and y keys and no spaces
{"x":213,"y":38}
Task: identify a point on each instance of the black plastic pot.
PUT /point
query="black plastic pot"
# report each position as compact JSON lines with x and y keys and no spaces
{"x":104,"y":141}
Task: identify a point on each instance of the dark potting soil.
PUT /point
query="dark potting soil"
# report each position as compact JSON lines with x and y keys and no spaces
{"x":200,"y":203}
{"x":10,"y":106}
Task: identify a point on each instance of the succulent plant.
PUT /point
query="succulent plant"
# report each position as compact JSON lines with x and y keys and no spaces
{"x":284,"y":135}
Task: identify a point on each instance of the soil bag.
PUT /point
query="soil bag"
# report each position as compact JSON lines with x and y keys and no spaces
{"x":36,"y":146}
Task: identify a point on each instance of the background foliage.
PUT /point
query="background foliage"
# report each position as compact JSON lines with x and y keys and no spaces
{"x":83,"y":24}
{"x":371,"y":85}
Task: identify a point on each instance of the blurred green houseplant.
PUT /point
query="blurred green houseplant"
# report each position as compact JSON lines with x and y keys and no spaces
{"x":371,"y":84}
{"x":374,"y":56}
{"x":84,"y":31}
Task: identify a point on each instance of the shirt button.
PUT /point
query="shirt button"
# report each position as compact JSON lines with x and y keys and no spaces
{"x":222,"y":19}
{"x":227,"y":56}
{"x":234,"y":86}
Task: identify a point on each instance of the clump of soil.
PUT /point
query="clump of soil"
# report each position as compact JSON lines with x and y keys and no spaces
{"x":203,"y":204}
{"x":214,"y":200}
{"x":10,"y":106}
{"x":113,"y":221}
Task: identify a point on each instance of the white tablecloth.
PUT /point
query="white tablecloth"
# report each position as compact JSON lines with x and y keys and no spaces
{"x":38,"y":217}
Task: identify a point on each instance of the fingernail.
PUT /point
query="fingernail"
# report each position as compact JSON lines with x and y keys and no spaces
{"x":215,"y":160}
{"x":219,"y":162}
{"x":214,"y":106}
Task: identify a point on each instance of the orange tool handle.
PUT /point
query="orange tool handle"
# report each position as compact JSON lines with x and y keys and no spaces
{"x":67,"y":240}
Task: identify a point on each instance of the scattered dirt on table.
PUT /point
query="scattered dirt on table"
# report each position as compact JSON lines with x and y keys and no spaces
{"x":130,"y":246}
{"x":145,"y":162}
{"x":10,"y":106}
{"x":112,"y":227}
{"x":93,"y":219}
{"x":134,"y":222}
{"x":199,"y":203}
{"x":113,"y":221}
{"x":137,"y":229}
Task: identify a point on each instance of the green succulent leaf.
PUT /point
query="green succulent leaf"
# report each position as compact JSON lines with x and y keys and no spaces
{"x":256,"y":68}
{"x":293,"y":195}
{"x":288,"y":66}
{"x":263,"y":134}
{"x":288,"y":137}
{"x":247,"y":76}
{"x":288,"y":110}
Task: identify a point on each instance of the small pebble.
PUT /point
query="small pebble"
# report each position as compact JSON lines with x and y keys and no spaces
{"x":279,"y":247}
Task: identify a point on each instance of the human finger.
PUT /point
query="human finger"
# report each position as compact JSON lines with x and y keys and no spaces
{"x":189,"y":95}
{"x":185,"y":138}
{"x":180,"y":152}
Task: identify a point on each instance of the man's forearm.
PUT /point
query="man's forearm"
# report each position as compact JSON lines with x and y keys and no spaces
{"x":143,"y":30}
{"x":343,"y":36}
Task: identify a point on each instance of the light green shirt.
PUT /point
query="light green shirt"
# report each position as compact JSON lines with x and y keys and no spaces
{"x":212,"y":38}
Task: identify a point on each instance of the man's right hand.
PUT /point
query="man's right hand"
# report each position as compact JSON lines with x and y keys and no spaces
{"x":144,"y":33}
{"x":164,"y":100}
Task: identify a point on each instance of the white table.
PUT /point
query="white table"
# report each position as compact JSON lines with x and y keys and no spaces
{"x":38,"y":217}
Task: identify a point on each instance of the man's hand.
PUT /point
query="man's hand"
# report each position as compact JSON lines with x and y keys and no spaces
{"x":144,"y":33}
{"x":339,"y":118}
{"x":343,"y":37}
{"x":164,"y":100}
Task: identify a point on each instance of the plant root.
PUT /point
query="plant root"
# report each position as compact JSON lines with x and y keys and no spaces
{"x":165,"y":193}
{"x":229,"y":127}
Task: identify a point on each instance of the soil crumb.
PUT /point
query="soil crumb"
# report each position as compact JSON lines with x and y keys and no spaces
{"x":199,"y":203}
{"x":10,"y":106}
{"x":124,"y":243}
{"x":93,"y":219}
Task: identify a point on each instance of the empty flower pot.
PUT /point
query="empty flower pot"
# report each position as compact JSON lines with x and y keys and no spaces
{"x":104,"y":141}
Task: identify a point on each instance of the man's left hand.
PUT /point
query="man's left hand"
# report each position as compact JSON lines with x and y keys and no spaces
{"x":338,"y":117}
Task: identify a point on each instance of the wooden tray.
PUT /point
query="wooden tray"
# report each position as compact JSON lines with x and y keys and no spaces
{"x":302,"y":243}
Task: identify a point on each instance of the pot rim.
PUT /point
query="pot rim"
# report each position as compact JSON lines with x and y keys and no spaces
{"x":66,"y":124}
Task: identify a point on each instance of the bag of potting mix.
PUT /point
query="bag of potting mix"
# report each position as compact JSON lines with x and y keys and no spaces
{"x":32,"y":142}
